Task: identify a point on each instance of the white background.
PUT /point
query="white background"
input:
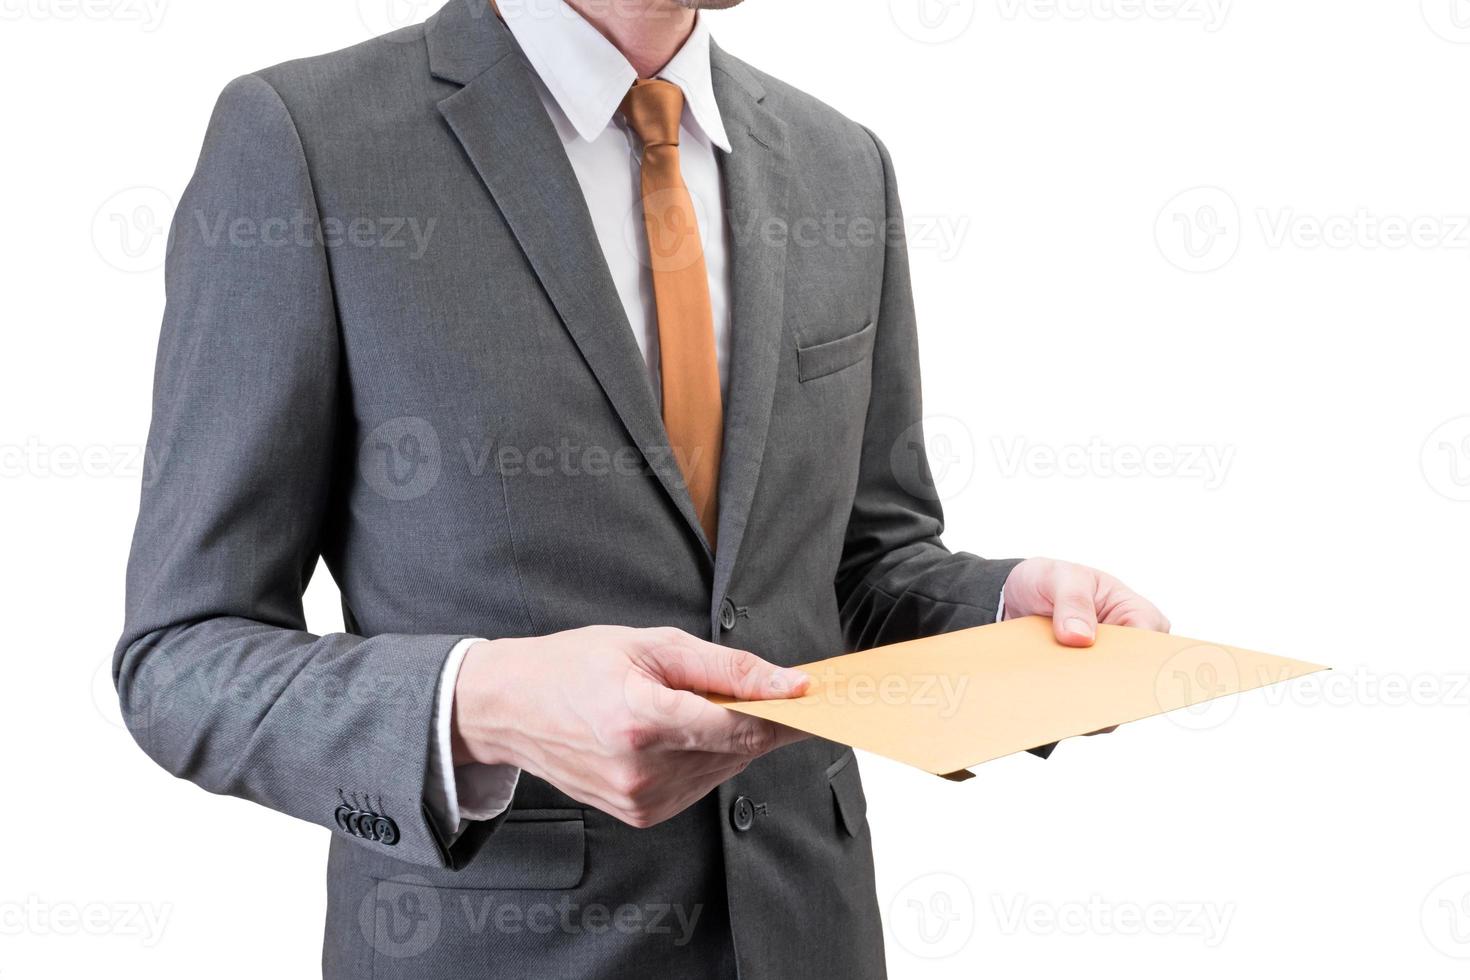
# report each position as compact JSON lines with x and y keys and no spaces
{"x":1231,"y":234}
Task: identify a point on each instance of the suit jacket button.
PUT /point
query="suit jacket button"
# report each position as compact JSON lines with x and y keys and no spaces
{"x":727,"y":614}
{"x":385,"y":831}
{"x":742,"y":813}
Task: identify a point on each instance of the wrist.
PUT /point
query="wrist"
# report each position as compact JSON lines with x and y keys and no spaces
{"x":482,"y":726}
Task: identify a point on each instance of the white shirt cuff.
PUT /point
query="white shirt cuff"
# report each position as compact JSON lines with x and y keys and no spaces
{"x":1000,"y":607}
{"x":458,"y":795}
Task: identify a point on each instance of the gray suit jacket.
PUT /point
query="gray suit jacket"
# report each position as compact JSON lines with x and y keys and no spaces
{"x":392,"y":342}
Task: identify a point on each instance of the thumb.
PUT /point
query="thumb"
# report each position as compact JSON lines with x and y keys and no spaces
{"x":1074,"y":614}
{"x":710,"y":668}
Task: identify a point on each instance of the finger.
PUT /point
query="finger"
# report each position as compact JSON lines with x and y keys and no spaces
{"x":1074,"y":611}
{"x":696,"y":789}
{"x":1139,"y":613}
{"x":692,"y":664}
{"x":707,"y":727}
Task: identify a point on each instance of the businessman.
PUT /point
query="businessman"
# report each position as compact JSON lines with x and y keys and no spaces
{"x":516,"y":319}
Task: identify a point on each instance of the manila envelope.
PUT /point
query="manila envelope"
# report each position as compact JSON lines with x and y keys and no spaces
{"x":949,"y":702}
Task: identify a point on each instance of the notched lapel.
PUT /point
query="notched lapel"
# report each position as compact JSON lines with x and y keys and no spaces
{"x":756,"y":174}
{"x":499,"y":120}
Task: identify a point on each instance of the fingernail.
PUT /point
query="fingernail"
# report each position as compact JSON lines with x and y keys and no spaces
{"x":788,"y":679}
{"x":1079,"y":627}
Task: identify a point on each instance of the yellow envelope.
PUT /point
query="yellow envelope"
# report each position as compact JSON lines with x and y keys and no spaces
{"x":949,"y":702}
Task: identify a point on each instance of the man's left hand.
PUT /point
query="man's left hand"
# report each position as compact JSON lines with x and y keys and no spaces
{"x":1076,"y":598}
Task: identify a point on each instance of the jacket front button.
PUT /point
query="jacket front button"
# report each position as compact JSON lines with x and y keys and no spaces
{"x":727,"y":614}
{"x":742,"y":813}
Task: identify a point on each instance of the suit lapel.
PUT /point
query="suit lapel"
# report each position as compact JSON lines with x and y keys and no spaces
{"x":756,"y":176}
{"x":498,"y":118}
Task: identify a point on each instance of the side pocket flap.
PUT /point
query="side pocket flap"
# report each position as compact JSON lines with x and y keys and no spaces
{"x":532,"y":849}
{"x":847,"y":791}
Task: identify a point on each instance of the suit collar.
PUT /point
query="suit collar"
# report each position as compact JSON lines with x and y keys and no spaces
{"x":465,"y":39}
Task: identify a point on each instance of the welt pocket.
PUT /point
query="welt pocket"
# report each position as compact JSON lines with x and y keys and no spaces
{"x":818,"y":359}
{"x":531,"y":849}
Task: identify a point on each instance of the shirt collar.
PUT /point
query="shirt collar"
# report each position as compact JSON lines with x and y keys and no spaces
{"x":588,"y":76}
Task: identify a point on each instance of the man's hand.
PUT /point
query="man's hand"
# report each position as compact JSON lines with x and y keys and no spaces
{"x":1076,"y":598}
{"x":606,"y":715}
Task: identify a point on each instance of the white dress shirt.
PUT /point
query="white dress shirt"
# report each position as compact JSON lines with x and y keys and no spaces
{"x":582,"y":79}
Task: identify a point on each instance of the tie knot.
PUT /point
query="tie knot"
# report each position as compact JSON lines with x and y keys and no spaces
{"x":653,"y":107}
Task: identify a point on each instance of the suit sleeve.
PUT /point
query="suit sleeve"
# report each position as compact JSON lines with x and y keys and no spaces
{"x":218,"y":678}
{"x":897,"y":581}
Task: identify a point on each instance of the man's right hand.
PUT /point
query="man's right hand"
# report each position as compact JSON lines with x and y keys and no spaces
{"x":606,"y":715}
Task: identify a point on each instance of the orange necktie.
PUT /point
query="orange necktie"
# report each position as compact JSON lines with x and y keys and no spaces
{"x":686,"y":331}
